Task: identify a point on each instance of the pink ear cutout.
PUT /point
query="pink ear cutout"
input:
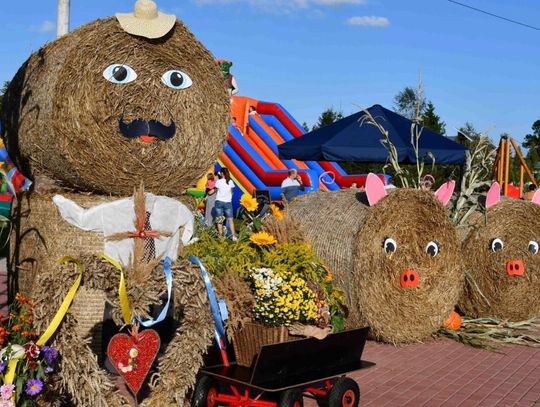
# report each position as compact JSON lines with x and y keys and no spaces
{"x":536,"y":197}
{"x":493,"y":196}
{"x":445,"y":191}
{"x":374,"y":189}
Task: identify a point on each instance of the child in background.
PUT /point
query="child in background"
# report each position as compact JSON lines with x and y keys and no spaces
{"x":210,"y":196}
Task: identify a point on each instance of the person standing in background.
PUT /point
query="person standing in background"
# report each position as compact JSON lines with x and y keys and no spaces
{"x":210,"y":196}
{"x":291,"y":185}
{"x":224,"y":187}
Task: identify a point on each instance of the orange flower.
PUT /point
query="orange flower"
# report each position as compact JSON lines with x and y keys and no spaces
{"x":25,"y":333}
{"x":16,"y":328}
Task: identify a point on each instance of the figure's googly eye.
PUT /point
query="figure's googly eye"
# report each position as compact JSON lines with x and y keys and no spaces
{"x":176,"y":79}
{"x":389,"y":245}
{"x":533,"y":247}
{"x":119,"y":73}
{"x":433,"y":248}
{"x":496,"y":245}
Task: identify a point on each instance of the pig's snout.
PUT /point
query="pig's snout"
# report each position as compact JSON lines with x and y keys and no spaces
{"x":515,"y":268}
{"x":409,"y":279}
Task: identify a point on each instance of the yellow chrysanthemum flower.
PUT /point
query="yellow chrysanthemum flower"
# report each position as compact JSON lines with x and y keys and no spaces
{"x":278,"y":213}
{"x":262,"y":239}
{"x":249,"y":202}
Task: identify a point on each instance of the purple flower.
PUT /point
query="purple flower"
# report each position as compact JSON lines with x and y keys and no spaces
{"x":6,"y":391}
{"x":49,"y":354}
{"x":48,"y":369}
{"x":2,"y":366}
{"x":33,"y":387}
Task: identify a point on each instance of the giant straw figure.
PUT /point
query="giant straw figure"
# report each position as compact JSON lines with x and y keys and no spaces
{"x":397,"y":255}
{"x":116,"y":103}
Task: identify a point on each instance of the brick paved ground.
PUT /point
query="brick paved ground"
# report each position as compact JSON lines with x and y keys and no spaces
{"x":441,"y":373}
{"x":445,"y":373}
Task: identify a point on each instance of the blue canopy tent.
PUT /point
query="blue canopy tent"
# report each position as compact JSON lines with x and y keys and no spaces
{"x":354,"y":139}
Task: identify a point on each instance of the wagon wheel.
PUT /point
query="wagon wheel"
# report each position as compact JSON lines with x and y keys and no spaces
{"x":291,"y":398}
{"x":344,"y":393}
{"x":205,"y":393}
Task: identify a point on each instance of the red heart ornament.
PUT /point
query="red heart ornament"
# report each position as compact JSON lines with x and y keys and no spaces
{"x":132,"y":356}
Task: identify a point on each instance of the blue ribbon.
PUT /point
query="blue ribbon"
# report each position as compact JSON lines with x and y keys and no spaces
{"x":168,"y":276}
{"x":218,"y":307}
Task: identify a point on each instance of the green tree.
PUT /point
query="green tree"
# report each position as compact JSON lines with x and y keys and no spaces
{"x":327,"y":117}
{"x":306,"y":126}
{"x":433,"y":121}
{"x":532,"y":144}
{"x":409,"y":103}
{"x":2,"y":93}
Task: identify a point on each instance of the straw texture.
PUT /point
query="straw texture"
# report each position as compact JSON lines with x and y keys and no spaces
{"x":349,"y":236}
{"x":61,"y":115}
{"x":41,"y":236}
{"x":490,"y":291}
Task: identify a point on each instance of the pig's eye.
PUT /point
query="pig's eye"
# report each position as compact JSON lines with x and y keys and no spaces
{"x":432,"y":248}
{"x":389,"y":245}
{"x":119,"y":74}
{"x":496,"y":245}
{"x":533,"y":247}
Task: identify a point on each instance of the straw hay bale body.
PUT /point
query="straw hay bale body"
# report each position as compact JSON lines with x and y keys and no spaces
{"x":41,"y":236}
{"x":514,"y":298}
{"x":348,"y":235}
{"x":61,"y":116}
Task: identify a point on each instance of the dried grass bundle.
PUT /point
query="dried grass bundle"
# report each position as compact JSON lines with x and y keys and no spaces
{"x":61,"y":115}
{"x":286,"y":230}
{"x":489,"y":290}
{"x":348,"y":235}
{"x":239,"y":297}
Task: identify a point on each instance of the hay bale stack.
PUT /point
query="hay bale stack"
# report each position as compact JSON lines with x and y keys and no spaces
{"x":490,"y":291}
{"x":61,"y":115}
{"x":349,"y":236}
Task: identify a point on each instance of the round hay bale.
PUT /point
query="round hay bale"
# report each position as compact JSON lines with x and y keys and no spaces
{"x":62,"y":116}
{"x":349,"y":236}
{"x":490,"y":291}
{"x":39,"y":239}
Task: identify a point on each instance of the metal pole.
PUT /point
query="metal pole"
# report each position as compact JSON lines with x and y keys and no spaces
{"x":62,"y":21}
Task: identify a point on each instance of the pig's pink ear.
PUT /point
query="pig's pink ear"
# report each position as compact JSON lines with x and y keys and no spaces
{"x":536,"y":197}
{"x":493,"y":196}
{"x":374,"y":189}
{"x":445,"y":191}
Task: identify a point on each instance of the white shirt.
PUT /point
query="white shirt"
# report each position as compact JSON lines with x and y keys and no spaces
{"x":224,"y":190}
{"x":166,"y":214}
{"x":288,"y":182}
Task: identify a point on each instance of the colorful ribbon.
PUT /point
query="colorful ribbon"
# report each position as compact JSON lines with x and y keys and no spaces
{"x":218,"y":307}
{"x":55,"y":323}
{"x":124,"y":300}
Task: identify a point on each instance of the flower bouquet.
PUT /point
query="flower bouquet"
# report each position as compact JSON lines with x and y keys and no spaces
{"x":289,"y":288}
{"x":24,"y":365}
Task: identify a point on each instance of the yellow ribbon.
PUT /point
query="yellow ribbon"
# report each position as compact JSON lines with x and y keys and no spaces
{"x":122,"y":291}
{"x":53,"y":326}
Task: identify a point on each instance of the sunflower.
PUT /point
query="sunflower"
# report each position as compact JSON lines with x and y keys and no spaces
{"x":262,"y":239}
{"x":278,"y":213}
{"x":249,"y":202}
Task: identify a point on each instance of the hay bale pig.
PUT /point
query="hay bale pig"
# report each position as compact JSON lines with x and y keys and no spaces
{"x":501,"y":259}
{"x":396,"y":255}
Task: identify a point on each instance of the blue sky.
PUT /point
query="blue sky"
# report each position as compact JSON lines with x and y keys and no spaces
{"x":312,"y":54}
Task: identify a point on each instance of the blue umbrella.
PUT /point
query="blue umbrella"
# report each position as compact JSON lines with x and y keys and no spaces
{"x":354,"y":139}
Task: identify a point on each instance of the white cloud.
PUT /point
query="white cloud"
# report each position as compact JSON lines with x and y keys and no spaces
{"x":45,"y":27}
{"x":369,"y":21}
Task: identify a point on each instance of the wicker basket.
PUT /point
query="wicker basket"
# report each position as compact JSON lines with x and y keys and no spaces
{"x":248,"y":341}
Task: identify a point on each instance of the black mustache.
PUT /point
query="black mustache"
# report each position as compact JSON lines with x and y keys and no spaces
{"x":140,"y":127}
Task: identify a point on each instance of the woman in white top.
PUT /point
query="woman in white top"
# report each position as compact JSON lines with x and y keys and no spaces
{"x":223,"y":207}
